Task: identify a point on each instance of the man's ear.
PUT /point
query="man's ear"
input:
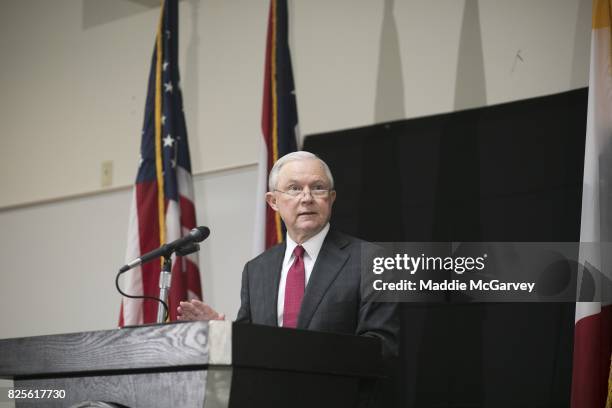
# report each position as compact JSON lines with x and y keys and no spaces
{"x":332,"y":196}
{"x":271,"y":200}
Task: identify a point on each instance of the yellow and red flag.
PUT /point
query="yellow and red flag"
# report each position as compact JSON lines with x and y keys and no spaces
{"x":593,"y":329}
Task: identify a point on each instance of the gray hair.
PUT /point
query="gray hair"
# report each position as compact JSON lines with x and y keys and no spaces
{"x":296,"y":156}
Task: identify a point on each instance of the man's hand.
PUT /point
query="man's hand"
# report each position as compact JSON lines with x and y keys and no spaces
{"x":196,"y":310}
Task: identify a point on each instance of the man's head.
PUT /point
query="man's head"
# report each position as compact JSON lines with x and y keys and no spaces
{"x":301,"y":190}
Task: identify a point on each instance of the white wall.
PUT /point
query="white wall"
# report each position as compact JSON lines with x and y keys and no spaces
{"x":73,"y":83}
{"x":74,"y":74}
{"x":75,"y":80}
{"x":60,"y":259}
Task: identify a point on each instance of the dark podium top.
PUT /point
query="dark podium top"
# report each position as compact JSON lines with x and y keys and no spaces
{"x":195,"y":364}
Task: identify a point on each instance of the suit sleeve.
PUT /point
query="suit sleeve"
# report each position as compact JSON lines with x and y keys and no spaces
{"x":244,"y":314}
{"x":381,"y":320}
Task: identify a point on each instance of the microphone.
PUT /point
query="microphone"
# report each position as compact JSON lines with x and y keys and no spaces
{"x":197,"y":234}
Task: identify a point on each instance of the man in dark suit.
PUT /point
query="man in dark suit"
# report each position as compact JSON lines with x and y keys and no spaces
{"x":312,"y":280}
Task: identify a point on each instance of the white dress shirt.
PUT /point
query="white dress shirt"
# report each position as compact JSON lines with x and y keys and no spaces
{"x":312,"y":247}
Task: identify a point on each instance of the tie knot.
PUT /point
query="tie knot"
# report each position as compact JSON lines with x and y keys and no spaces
{"x":298,"y":251}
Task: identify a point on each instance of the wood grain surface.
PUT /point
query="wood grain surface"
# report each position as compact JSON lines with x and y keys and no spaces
{"x":151,"y":390}
{"x":130,"y":349}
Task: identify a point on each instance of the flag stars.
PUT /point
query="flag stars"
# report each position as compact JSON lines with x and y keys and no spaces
{"x":164,"y":65}
{"x":168,"y":141}
{"x":163,"y":120}
{"x":168,"y":87}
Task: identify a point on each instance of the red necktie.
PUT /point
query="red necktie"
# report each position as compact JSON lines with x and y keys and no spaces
{"x":294,"y":289}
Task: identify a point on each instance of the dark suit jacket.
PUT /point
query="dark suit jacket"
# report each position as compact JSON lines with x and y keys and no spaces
{"x":332,"y":300}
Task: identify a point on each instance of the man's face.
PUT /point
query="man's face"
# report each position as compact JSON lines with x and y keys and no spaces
{"x":304,"y":215}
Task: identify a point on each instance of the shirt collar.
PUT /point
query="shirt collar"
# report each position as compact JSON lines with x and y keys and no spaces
{"x":312,"y":246}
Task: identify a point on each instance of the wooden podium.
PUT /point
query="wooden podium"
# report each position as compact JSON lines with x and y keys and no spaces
{"x":195,"y":364}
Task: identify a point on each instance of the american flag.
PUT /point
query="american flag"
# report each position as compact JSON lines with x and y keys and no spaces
{"x":279,"y":121}
{"x":162,"y":205}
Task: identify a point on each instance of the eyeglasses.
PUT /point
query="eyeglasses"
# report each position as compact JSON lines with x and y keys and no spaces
{"x":315,"y":192}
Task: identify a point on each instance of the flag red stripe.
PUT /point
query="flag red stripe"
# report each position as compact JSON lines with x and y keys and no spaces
{"x":178,"y":288}
{"x":148,"y":227}
{"x":191,"y":272}
{"x":192,"y":277}
{"x":266,"y":115}
{"x":271,"y":228}
{"x":592,"y":346}
{"x":121,"y":320}
{"x":188,"y":214}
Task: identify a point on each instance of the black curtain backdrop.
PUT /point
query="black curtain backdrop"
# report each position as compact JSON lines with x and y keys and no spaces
{"x":510,"y":172}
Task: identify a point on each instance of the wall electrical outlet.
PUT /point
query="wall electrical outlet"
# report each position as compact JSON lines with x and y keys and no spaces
{"x":107,"y":173}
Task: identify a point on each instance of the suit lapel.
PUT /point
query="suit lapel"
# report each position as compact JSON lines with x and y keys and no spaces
{"x":330,"y":261}
{"x":272,"y":274}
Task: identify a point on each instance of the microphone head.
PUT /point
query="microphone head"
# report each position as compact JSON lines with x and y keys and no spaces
{"x":199,"y":234}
